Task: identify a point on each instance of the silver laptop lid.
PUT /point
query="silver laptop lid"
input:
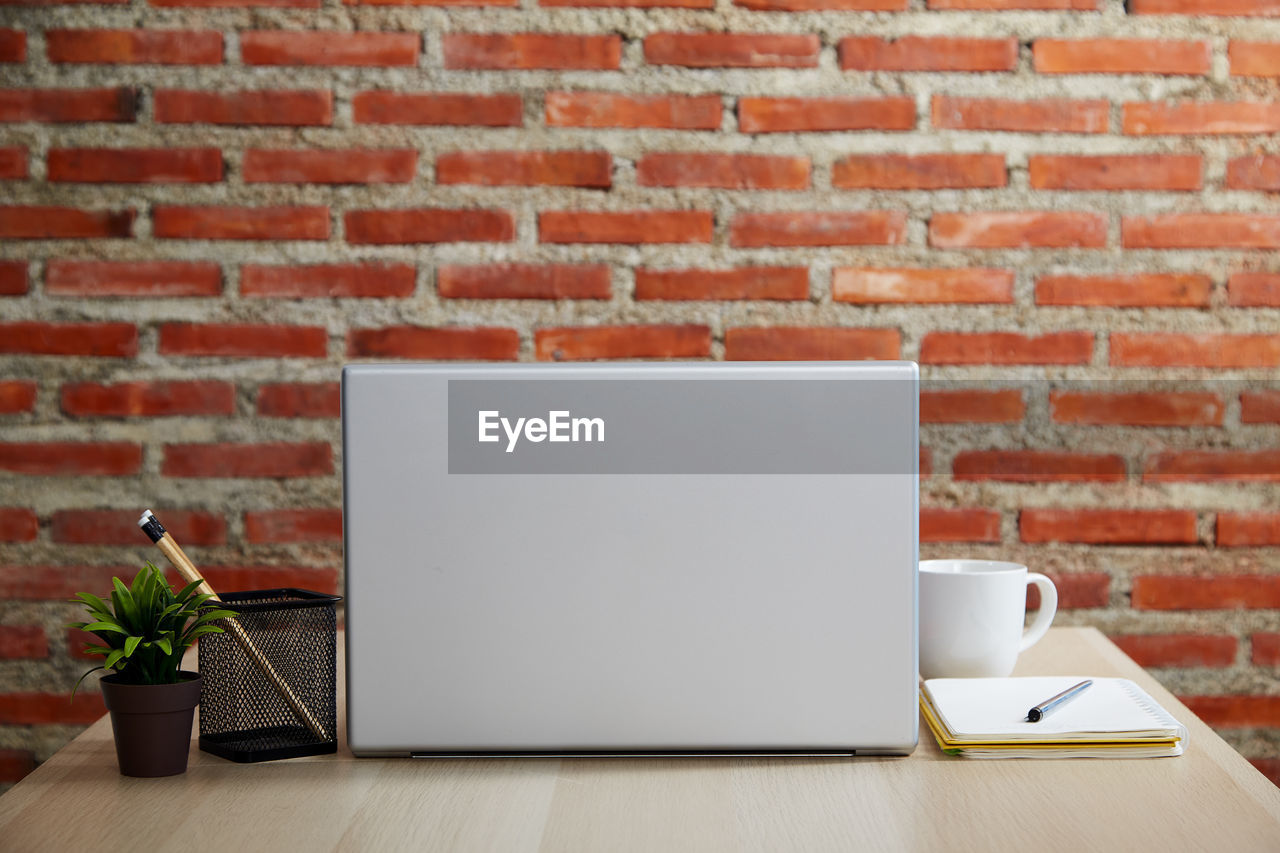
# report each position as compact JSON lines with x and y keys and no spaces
{"x":637,"y":557}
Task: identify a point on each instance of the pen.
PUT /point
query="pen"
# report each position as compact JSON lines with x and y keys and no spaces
{"x":1038,"y":712}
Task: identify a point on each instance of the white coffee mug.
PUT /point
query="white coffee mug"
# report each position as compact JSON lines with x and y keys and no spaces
{"x":971,"y":615}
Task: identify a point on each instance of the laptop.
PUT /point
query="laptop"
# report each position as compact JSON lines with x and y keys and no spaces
{"x":638,"y":559}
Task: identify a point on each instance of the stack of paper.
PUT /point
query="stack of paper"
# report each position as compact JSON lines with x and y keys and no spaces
{"x":987,"y":718}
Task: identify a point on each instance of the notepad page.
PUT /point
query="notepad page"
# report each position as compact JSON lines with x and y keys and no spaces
{"x":995,"y":709}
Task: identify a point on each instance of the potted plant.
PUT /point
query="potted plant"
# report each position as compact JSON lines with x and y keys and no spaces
{"x":145,"y":631}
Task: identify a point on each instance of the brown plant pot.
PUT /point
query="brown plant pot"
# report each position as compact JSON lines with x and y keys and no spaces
{"x":152,"y":723}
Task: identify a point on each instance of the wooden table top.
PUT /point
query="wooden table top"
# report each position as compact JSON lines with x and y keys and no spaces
{"x":1209,"y":798}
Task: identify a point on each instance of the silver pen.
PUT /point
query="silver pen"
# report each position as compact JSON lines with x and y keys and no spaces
{"x":1038,"y":712}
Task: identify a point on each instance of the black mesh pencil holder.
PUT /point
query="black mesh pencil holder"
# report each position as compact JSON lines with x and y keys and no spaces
{"x":270,"y":680}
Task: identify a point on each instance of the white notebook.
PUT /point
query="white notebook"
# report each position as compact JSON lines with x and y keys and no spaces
{"x":1114,"y":717}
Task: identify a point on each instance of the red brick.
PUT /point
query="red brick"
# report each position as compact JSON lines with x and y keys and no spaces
{"x":149,"y":399}
{"x":438,"y":108}
{"x":15,"y":764}
{"x":276,"y":459}
{"x":1266,"y":649}
{"x":1202,"y":7}
{"x":1254,"y":58}
{"x":1044,"y":115}
{"x":724,"y":171}
{"x":1003,"y":406}
{"x":448,"y":343}
{"x":13,"y":45}
{"x":179,"y":222}
{"x":1248,"y":529}
{"x":17,"y":396}
{"x":798,"y":343}
{"x":431,"y":2}
{"x":1254,"y":290}
{"x":1200,"y":118}
{"x":1121,"y":56}
{"x":23,"y":641}
{"x":524,"y":281}
{"x":352,"y":166}
{"x":429,"y":225}
{"x":300,"y":400}
{"x":608,"y":109}
{"x":51,"y":223}
{"x":732,"y":50}
{"x":1006,"y":348}
{"x":966,"y":524}
{"x":280,"y":108}
{"x":819,"y":228}
{"x":18,"y":524}
{"x":1075,"y":591}
{"x":526,"y":168}
{"x":132,"y":278}
{"x":71,"y":459}
{"x":38,"y":709}
{"x":1171,"y":290}
{"x":1018,"y":230}
{"x":919,"y":171}
{"x":1184,"y":650}
{"x":774,"y":283}
{"x":863,"y":285}
{"x":1235,"y":712}
{"x":1201,"y":231}
{"x":308,"y":47}
{"x":928,"y":53}
{"x":111,"y":340}
{"x":136,"y":165}
{"x":821,"y":5}
{"x":634,"y":227}
{"x":119,"y":104}
{"x":13,"y":163}
{"x":1001,"y":5}
{"x":1167,"y":349}
{"x":1269,"y":767}
{"x":1208,"y":466}
{"x":520,"y":51}
{"x":328,"y":281}
{"x":213,"y":4}
{"x":1260,"y":407}
{"x":1109,"y":526}
{"x":1138,"y":408}
{"x":293,"y":525}
{"x":787,"y":115}
{"x":13,"y":278}
{"x":1258,"y":172}
{"x":152,"y":47}
{"x":1037,"y":466}
{"x":601,"y":342}
{"x":243,"y":340}
{"x":76,"y":642}
{"x":1218,"y":592}
{"x":56,"y":583}
{"x":322,"y":580}
{"x":120,"y":527}
{"x":1118,"y":172}
{"x":648,"y":4}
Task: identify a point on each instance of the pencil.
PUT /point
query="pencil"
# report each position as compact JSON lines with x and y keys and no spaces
{"x":169,"y":547}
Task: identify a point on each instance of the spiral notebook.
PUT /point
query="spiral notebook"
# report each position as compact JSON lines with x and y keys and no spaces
{"x":986,"y":718}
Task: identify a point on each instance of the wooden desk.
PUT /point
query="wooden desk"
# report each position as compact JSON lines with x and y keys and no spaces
{"x":1208,"y":799}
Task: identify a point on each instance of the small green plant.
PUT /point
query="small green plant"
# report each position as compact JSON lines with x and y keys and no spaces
{"x":147,"y":627}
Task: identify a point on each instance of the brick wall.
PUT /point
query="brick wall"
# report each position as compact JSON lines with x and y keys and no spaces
{"x":1064,"y":209}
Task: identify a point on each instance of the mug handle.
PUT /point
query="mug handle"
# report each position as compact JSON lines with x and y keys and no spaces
{"x":1044,"y":616}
